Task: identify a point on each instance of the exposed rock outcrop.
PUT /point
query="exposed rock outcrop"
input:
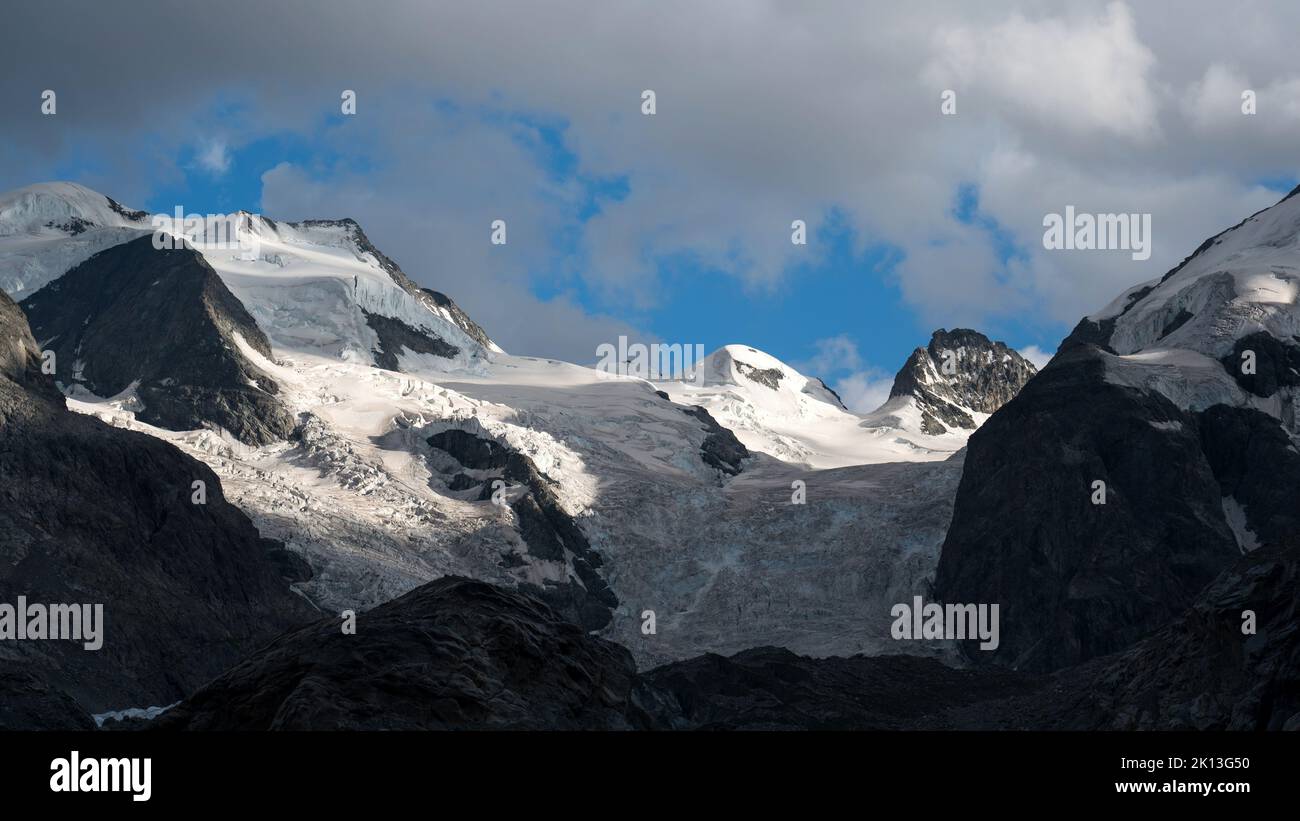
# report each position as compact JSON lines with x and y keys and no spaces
{"x":451,"y":654}
{"x":720,"y":448}
{"x":551,"y":535}
{"x":960,"y":371}
{"x":1075,"y":578}
{"x":395,"y":336}
{"x":91,"y":514}
{"x":162,"y":322}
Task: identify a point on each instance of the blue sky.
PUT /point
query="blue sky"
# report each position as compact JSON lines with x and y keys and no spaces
{"x":844,"y":291}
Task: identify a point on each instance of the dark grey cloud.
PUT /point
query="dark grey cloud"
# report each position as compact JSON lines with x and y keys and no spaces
{"x":768,"y":111}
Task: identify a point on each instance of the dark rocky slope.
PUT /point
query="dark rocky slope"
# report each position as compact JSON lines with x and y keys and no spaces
{"x":550,"y":534}
{"x":94,"y":514}
{"x":165,"y":320}
{"x":1254,"y":462}
{"x":458,"y":316}
{"x":396,"y":337}
{"x":452,"y":654}
{"x":28,"y":702}
{"x":1076,"y":579}
{"x":1200,"y":672}
{"x":1277,"y":363}
{"x":770,"y":688}
{"x":459,"y":654}
{"x":720,"y":448}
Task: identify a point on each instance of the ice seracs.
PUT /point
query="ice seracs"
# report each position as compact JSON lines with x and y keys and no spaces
{"x":319,"y":287}
{"x":379,"y":376}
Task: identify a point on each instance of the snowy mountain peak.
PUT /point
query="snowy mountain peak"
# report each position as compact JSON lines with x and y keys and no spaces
{"x":744,"y":367}
{"x":956,"y":381}
{"x":48,"y":228}
{"x":64,"y":207}
{"x":1242,"y":281}
{"x":1222,"y":327}
{"x":346,"y":236}
{"x":774,"y":409}
{"x":317,"y":286}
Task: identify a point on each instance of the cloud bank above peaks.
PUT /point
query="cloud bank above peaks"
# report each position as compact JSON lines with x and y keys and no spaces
{"x":767,"y":112}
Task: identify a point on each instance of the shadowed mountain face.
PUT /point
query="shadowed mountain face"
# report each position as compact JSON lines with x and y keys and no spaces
{"x":163,"y":322}
{"x":460,"y":654}
{"x":1143,"y":460}
{"x":27,"y":702}
{"x":1201,"y":672}
{"x":90,"y":514}
{"x":771,"y":688}
{"x":452,"y":654}
{"x":1209,"y":669}
{"x":1074,"y":578}
{"x":20,"y":364}
{"x":458,"y":316}
{"x":1257,"y":466}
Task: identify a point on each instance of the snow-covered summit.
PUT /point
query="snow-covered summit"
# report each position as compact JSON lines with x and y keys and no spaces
{"x":321,"y":287}
{"x":1241,"y":281}
{"x":740,"y":366}
{"x":1222,"y":327}
{"x":318,"y":287}
{"x":47,"y":228}
{"x":60,"y":204}
{"x":775,"y":409}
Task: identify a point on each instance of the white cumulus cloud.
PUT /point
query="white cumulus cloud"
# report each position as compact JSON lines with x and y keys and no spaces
{"x":215,"y":157}
{"x":1036,"y":355}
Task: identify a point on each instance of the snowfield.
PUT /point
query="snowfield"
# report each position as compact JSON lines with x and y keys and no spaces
{"x":776,"y":410}
{"x":724,"y":562}
{"x":47,"y":229}
{"x":724,"y":565}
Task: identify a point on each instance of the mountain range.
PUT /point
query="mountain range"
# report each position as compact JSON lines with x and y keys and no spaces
{"x":716,"y":551}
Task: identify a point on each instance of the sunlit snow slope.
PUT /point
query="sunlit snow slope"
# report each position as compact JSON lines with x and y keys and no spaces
{"x":1184,"y":335}
{"x":374,"y":369}
{"x":46,"y":229}
{"x":774,"y":409}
